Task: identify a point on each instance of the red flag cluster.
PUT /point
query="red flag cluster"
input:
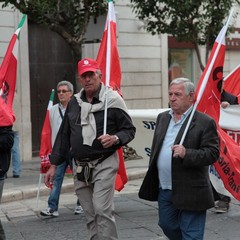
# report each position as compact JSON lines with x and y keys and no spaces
{"x":228,"y":165}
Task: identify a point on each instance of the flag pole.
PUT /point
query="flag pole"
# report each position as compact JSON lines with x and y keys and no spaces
{"x":108,"y":54}
{"x":46,"y":145}
{"x":205,"y":80}
{"x":39,"y":185}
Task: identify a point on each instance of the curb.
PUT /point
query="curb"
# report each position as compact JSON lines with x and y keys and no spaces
{"x":137,"y":175}
{"x":32,"y":192}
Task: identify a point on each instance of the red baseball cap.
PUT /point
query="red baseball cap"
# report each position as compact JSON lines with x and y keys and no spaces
{"x":87,"y":65}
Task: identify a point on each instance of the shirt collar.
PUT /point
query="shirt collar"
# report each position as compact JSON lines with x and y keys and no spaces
{"x":185,"y":114}
{"x":60,"y":106}
{"x":95,"y":97}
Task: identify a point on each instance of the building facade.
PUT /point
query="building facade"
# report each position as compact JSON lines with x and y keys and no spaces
{"x":144,"y":62}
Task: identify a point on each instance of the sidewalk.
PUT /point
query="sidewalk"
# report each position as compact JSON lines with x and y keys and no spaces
{"x":27,"y":185}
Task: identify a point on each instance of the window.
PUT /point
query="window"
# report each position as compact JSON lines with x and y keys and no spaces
{"x":180,"y":63}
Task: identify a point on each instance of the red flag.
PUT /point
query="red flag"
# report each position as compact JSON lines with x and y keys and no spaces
{"x":108,"y":60}
{"x":46,"y":139}
{"x":209,"y":87}
{"x":109,"y":46}
{"x":232,"y":82}
{"x":228,"y":165}
{"x":8,"y":77}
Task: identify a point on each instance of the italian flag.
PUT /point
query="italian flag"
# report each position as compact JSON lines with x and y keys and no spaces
{"x":8,"y":77}
{"x":109,"y":62}
{"x":46,"y":139}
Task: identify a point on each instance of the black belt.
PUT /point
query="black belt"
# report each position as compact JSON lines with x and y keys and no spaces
{"x":83,"y":161}
{"x":98,"y":157}
{"x":90,"y":159}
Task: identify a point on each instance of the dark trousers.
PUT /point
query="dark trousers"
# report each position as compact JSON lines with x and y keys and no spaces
{"x":2,"y":233}
{"x":179,"y":224}
{"x":218,"y":196}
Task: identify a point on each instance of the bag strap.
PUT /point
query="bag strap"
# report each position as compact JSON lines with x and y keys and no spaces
{"x":60,"y":112}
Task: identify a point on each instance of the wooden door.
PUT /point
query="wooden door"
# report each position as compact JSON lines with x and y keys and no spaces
{"x":50,"y":61}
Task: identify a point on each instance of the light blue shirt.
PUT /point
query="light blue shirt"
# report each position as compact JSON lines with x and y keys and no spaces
{"x":164,"y":162}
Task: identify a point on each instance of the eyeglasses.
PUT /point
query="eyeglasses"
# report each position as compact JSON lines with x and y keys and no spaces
{"x":63,"y":91}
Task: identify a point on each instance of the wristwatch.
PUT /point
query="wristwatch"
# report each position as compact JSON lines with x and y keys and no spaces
{"x":117,"y":140}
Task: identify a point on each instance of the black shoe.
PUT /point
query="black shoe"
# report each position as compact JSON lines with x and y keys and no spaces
{"x":16,"y":176}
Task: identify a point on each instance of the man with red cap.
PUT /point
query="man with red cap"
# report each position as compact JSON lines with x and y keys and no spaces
{"x":94,"y":152}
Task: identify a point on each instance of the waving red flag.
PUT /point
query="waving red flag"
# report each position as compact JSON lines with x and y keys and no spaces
{"x":209,"y":87}
{"x":8,"y":77}
{"x":108,"y":56}
{"x":228,"y":165}
{"x":108,"y":60}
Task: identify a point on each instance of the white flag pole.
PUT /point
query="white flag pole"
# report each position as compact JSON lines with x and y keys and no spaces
{"x":108,"y":55}
{"x":206,"y":77}
{"x":39,"y":185}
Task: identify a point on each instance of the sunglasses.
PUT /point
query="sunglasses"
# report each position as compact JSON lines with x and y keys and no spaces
{"x":63,"y":91}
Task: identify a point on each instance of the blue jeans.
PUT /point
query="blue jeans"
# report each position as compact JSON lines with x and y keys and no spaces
{"x":16,"y":161}
{"x":53,"y":199}
{"x":179,"y":224}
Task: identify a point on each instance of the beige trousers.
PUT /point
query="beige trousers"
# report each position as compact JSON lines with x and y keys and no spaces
{"x":96,"y":199}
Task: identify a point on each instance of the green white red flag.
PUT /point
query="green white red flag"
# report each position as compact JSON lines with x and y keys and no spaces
{"x":232,"y":82}
{"x":46,"y":139}
{"x":109,"y":62}
{"x":8,"y":77}
{"x":208,"y":98}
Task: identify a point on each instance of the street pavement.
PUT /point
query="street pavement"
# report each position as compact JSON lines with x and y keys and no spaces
{"x":136,"y":219}
{"x":27,"y":186}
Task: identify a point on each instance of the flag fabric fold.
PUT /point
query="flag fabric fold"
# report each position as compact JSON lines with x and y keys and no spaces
{"x":46,"y":139}
{"x":8,"y":77}
{"x":208,"y":91}
{"x":232,"y":82}
{"x":208,"y":99}
{"x":109,"y":62}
